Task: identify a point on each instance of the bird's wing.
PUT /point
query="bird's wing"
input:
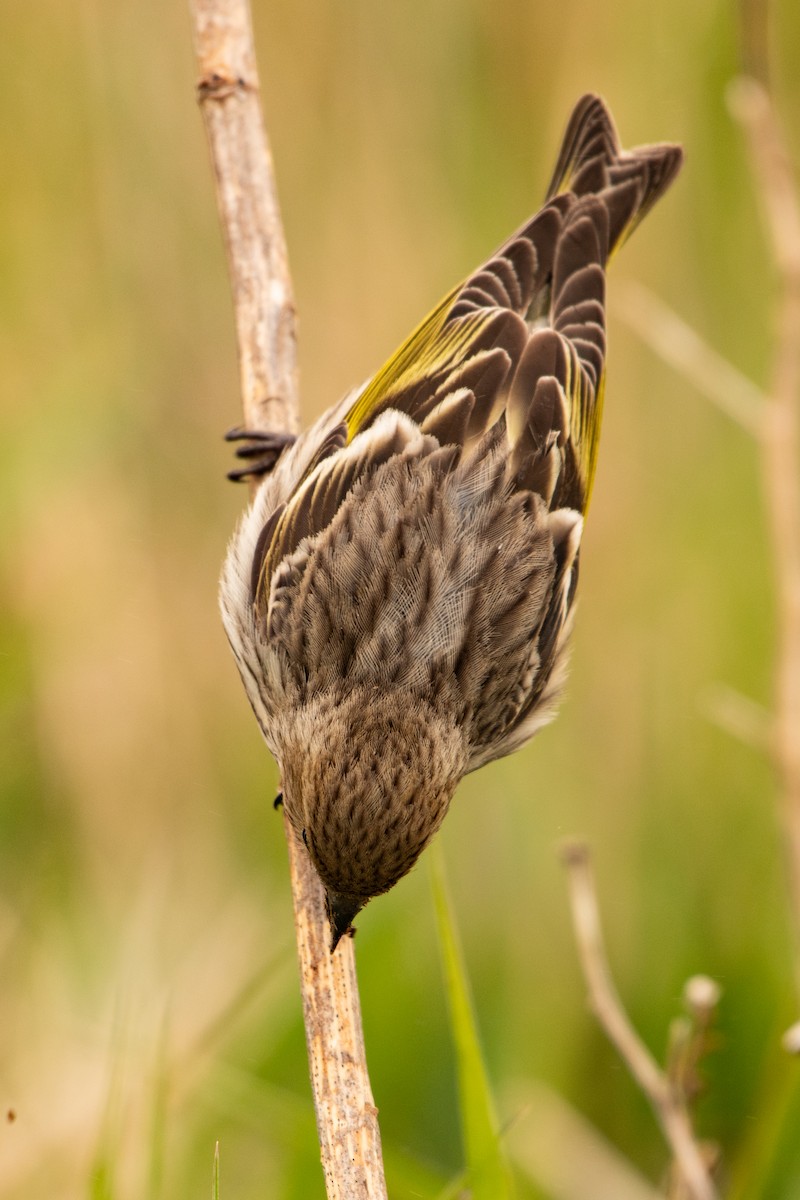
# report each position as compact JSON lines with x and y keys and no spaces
{"x":534,"y":311}
{"x":521,"y":344}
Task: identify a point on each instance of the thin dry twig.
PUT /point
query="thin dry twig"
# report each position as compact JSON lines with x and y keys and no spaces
{"x":682,"y":347}
{"x":666,"y":1102}
{"x":752,"y":105}
{"x":265,"y":324}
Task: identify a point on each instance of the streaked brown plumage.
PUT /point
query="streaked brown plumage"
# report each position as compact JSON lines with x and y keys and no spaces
{"x":399,"y":594}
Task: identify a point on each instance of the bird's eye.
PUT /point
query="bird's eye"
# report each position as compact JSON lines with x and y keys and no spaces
{"x":305,"y":839}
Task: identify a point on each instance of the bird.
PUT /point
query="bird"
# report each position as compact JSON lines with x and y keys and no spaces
{"x":400,"y":593}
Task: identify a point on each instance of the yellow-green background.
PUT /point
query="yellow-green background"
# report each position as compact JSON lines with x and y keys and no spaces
{"x":148,"y":992}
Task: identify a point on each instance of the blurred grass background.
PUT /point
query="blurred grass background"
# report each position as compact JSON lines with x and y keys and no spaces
{"x":149,"y":999}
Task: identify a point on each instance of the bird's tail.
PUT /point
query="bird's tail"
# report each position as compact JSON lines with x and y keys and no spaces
{"x":525,"y":333}
{"x":591,"y":162}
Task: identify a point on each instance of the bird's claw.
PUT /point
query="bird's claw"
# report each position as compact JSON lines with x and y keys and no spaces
{"x":260,"y":450}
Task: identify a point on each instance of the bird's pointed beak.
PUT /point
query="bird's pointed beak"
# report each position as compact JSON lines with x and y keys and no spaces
{"x":341,"y":911}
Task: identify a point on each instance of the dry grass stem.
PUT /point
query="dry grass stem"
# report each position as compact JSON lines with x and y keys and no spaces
{"x":230,"y":100}
{"x":347,"y":1119}
{"x":660,"y":327}
{"x":265,"y":324}
{"x":780,"y":457}
{"x":774,"y":419}
{"x":738,"y":716}
{"x":666,"y":1102}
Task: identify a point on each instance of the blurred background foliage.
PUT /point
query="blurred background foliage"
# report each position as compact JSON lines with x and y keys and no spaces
{"x":149,"y":998}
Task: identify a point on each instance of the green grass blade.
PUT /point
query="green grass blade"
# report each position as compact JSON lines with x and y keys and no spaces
{"x":158,"y":1122}
{"x":215,"y":1176}
{"x":101,"y":1186}
{"x":489,"y":1176}
{"x":102,"y":1178}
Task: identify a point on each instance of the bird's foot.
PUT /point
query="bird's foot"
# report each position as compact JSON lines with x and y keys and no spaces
{"x":260,"y":450}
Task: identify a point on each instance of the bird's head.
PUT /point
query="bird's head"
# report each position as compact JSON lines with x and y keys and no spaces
{"x":366,"y":784}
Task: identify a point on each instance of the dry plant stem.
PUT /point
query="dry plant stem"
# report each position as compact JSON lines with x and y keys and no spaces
{"x":265,"y":325}
{"x":348,"y":1125}
{"x":230,"y":101}
{"x":780,"y":445}
{"x":607,"y":1007}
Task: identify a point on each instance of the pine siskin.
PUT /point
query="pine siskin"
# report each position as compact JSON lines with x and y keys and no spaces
{"x":399,"y":595}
